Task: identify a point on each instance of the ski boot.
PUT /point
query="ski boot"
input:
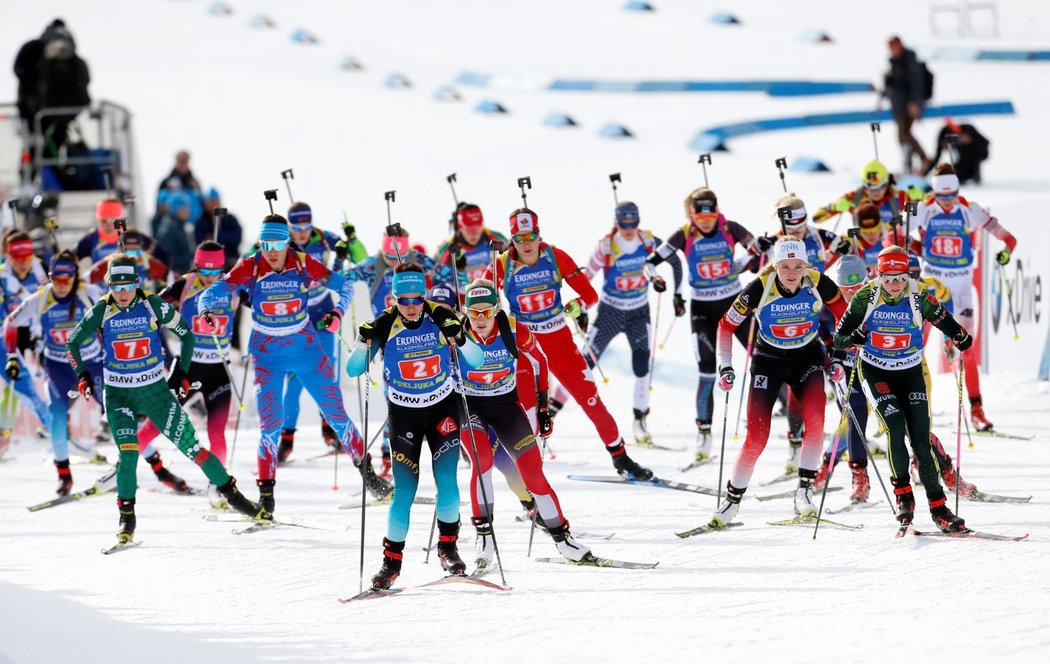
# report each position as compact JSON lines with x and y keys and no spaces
{"x":285,"y":445}
{"x":448,"y":551}
{"x":330,"y":439}
{"x":386,"y":471}
{"x":65,"y":478}
{"x":218,"y":503}
{"x":703,"y":441}
{"x":956,"y":484}
{"x":944,"y":518}
{"x":126,"y":532}
{"x":483,"y":548}
{"x":822,"y":475}
{"x":267,"y":503}
{"x":729,"y":507}
{"x":534,"y":516}
{"x":567,"y":546}
{"x":627,"y":467}
{"x":102,"y":434}
{"x":804,"y":493}
{"x":794,"y":454}
{"x":166,"y":477}
{"x":240,"y":503}
{"x":391,"y":569}
{"x":861,"y":484}
{"x":641,"y":431}
{"x":905,"y":501}
{"x":377,"y":486}
{"x":980,"y":422}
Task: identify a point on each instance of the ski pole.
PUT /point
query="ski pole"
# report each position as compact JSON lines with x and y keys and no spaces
{"x":838,"y":434}
{"x":229,"y":373}
{"x":781,"y":164}
{"x":532,"y":530}
{"x":364,"y":480}
{"x":652,"y":354}
{"x":722,"y":454}
{"x":613,"y":179}
{"x":590,"y":352}
{"x":668,"y":334}
{"x":237,"y":424}
{"x":474,"y":449}
{"x":958,"y":434}
{"x":747,"y":383}
{"x":430,"y":540}
{"x":844,"y":403}
{"x":1005,"y":282}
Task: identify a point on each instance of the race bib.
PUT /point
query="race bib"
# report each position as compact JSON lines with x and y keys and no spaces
{"x":946,"y":247}
{"x":636,"y":282}
{"x":488,"y":377}
{"x":220,"y":323}
{"x":791,"y":331}
{"x":890,"y":341}
{"x":421,"y":369}
{"x":60,"y":335}
{"x":281,"y":307}
{"x":714,"y":269}
{"x":534,"y":302}
{"x":132,"y":349}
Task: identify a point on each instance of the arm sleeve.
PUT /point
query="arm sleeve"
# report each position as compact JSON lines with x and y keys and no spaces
{"x":333,"y":281}
{"x":238,"y":277}
{"x":829,"y":293}
{"x":172,"y":293}
{"x":668,"y":248}
{"x":597,"y":262}
{"x":935,"y":312}
{"x":527,"y":345}
{"x":734,"y":316}
{"x":674,"y":261}
{"x":84,"y":331}
{"x":22,"y":316}
{"x":852,"y":318}
{"x":982,"y":219}
{"x":169,"y":317}
{"x":574,"y":276}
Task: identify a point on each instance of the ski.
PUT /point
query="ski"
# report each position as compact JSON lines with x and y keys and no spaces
{"x":593,"y":561}
{"x":697,"y":464}
{"x":258,"y":525}
{"x":971,"y":534}
{"x":992,"y":433}
{"x":419,"y":500}
{"x":903,"y":530}
{"x":120,"y":546}
{"x":707,"y":528}
{"x":811,"y":520}
{"x":662,"y":484}
{"x":789,"y":494}
{"x":781,"y":478}
{"x":982,"y":497}
{"x":372,"y":594}
{"x":484,"y":569}
{"x":69,"y":498}
{"x":657,"y":446}
{"x":853,"y":507}
{"x":461,"y":578}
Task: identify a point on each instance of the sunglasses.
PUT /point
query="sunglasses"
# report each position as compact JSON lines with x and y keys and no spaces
{"x":526,"y":237}
{"x":273,"y":245}
{"x":209,"y":271}
{"x":62,"y":279}
{"x":302,"y":227}
{"x":948,"y":196}
{"x":482,"y":313}
{"x":894,"y":278}
{"x":410,"y":301}
{"x":628,"y":224}
{"x":123,"y":288}
{"x":21,"y":259}
{"x":134,"y":253}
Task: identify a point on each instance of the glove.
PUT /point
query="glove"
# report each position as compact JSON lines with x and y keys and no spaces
{"x":949,"y":351}
{"x":342,"y":250}
{"x":349,"y":231}
{"x":659,"y":285}
{"x":858,"y":337}
{"x":179,"y":382}
{"x":963,"y":340}
{"x":573,"y":308}
{"x":1003,"y":257}
{"x":726,"y":378}
{"x":452,"y":329}
{"x":679,"y":306}
{"x":763,"y":242}
{"x":207,"y":324}
{"x":836,"y":372}
{"x":545,"y":421}
{"x":330,"y":321}
{"x":842,"y":205}
{"x":461,"y":261}
{"x":85,"y":385}
{"x":366,"y":331}
{"x":583,"y":320}
{"x":841,"y":246}
{"x":495,"y":245}
{"x":13,"y":368}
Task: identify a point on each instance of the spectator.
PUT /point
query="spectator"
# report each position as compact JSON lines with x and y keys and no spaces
{"x":171,"y":232}
{"x":162,"y":209}
{"x":970,"y":150}
{"x":904,"y":87}
{"x":229,"y":231}
{"x":180,"y":177}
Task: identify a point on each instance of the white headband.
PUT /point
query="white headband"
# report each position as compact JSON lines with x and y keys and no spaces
{"x":945,"y":184}
{"x":789,"y":250}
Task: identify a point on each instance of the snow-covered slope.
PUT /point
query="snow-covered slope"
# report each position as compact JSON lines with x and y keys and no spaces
{"x":249,"y":103}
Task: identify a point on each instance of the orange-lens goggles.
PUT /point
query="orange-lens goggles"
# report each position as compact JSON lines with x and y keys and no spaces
{"x":482,"y":313}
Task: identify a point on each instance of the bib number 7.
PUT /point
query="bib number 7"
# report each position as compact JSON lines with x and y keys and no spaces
{"x":132,"y":349}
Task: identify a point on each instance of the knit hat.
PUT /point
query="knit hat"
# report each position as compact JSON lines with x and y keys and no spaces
{"x":300,"y":214}
{"x":481,"y":292}
{"x":627,"y":214}
{"x":867,"y":216}
{"x":274,"y":229}
{"x":20,"y":248}
{"x":122,"y":270}
{"x":851,"y":271}
{"x":524,"y":220}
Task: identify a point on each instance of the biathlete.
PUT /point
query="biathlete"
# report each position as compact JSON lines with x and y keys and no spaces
{"x":468,"y":248}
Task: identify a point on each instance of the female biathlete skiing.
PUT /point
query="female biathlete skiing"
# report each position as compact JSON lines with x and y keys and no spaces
{"x":885,"y":321}
{"x":786,"y":301}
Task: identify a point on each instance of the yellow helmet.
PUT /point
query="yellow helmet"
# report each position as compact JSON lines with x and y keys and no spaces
{"x":874,"y":175}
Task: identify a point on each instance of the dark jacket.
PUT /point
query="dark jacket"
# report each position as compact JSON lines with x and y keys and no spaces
{"x":904,"y":82}
{"x":230,"y":235}
{"x":187,"y":180}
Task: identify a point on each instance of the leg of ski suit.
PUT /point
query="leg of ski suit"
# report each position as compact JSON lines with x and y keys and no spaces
{"x":408,"y":426}
{"x":60,"y":381}
{"x":24,"y":387}
{"x":526,"y":393}
{"x":568,"y":366}
{"x":157,"y":403}
{"x":215,"y":386}
{"x":293,"y":388}
{"x":275,"y":358}
{"x":703,"y":319}
{"x":803,"y":373}
{"x":900,"y":401}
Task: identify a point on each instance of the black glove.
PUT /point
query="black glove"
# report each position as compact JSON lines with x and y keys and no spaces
{"x":367,"y":331}
{"x":342,"y":250}
{"x":763,"y":243}
{"x":13,"y":368}
{"x":858,"y":337}
{"x":545,"y":421}
{"x":179,"y":382}
{"x":841,"y":246}
{"x":452,"y":329}
{"x":85,"y":385}
{"x":495,"y":245}
{"x":679,"y":306}
{"x":963,"y":340}
{"x":583,"y":320}
{"x":659,"y":285}
{"x":461,"y":261}
{"x":349,"y":231}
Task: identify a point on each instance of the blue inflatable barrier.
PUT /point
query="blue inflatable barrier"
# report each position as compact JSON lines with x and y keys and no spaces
{"x":723,"y":18}
{"x":302,"y":36}
{"x":612,"y":130}
{"x":560,"y":120}
{"x":715,"y":138}
{"x":809,"y":165}
{"x":637,"y":6}
{"x":489,"y":106}
{"x":396,"y":80}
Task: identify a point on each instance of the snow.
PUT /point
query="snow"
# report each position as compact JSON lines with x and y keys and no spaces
{"x":249,"y":103}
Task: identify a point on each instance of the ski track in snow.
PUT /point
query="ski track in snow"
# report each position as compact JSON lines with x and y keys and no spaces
{"x":195,"y":590}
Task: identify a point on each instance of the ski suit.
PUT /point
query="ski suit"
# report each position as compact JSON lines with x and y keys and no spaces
{"x":19,"y":340}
